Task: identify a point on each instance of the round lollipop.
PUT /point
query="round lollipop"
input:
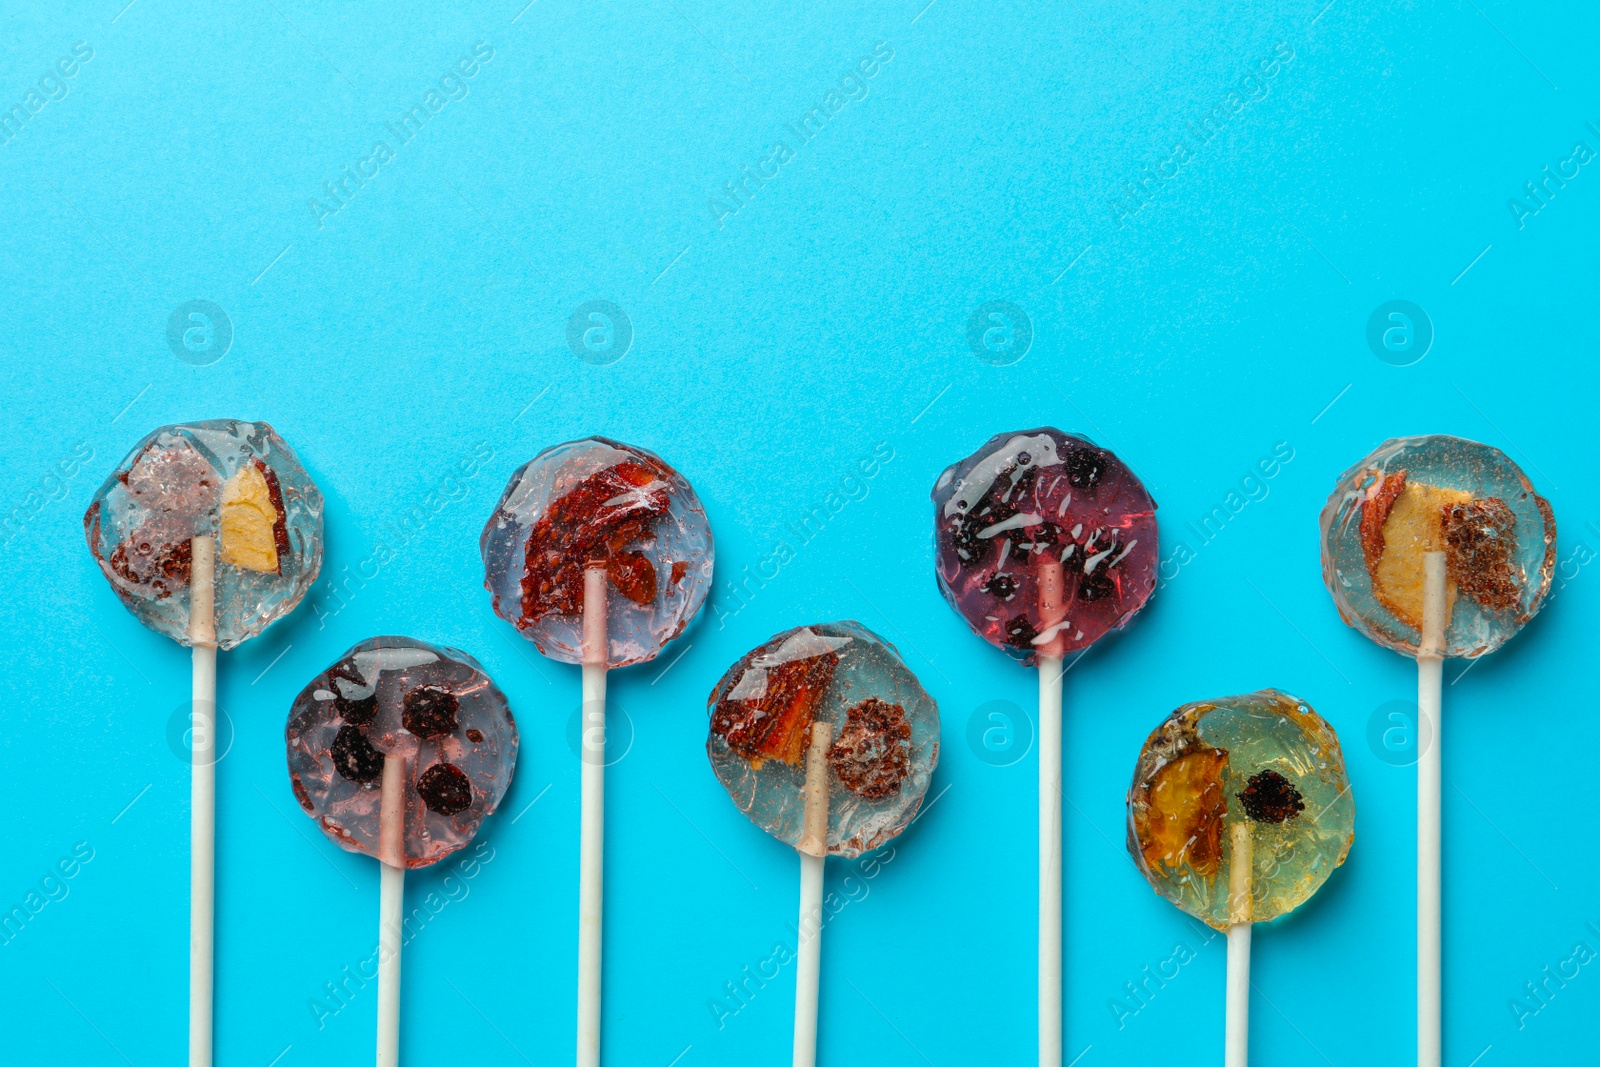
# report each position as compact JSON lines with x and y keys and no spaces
{"x":1044,"y":542}
{"x":1238,"y":812}
{"x":207,"y":532}
{"x":399,"y":751}
{"x":827,"y":741}
{"x":599,"y":553}
{"x":1436,"y":546}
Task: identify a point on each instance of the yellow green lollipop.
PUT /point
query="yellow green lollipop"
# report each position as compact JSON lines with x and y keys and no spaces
{"x":1240,"y":807}
{"x":1239,"y":811}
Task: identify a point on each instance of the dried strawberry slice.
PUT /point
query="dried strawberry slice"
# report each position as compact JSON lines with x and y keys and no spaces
{"x":633,"y":576}
{"x":594,"y":523}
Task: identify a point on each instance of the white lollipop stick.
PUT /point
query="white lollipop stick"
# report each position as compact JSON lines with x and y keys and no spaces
{"x":1430,"y":672}
{"x":1236,"y":1032}
{"x":592,"y":842}
{"x":813,"y":848}
{"x":202,"y":793}
{"x":391,"y":906}
{"x":1050,"y":668}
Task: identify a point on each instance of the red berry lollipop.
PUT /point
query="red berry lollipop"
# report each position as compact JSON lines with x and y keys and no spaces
{"x":399,"y":751}
{"x":1043,"y":543}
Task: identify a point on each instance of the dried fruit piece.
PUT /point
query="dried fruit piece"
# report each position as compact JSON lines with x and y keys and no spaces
{"x":1375,"y":510}
{"x":1020,"y":632}
{"x":429,"y":711}
{"x":1270,"y":797}
{"x":1085,"y":466}
{"x":1182,"y":823}
{"x":633,"y":576}
{"x":445,"y":788}
{"x":872,"y":754}
{"x":593,"y":523}
{"x":772,"y":720}
{"x":354,"y":757}
{"x":252,"y":529}
{"x":147,"y":559}
{"x":1480,"y":543}
{"x":1413,"y":527}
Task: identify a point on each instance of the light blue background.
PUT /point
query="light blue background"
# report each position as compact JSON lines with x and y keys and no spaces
{"x":427,"y":319}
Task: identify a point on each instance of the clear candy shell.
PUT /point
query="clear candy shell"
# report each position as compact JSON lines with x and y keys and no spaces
{"x":885,"y":734}
{"x":1043,"y":542}
{"x":395,"y":696}
{"x":1438,"y":493}
{"x":234,"y":481}
{"x":1261,"y":773}
{"x":596,"y":501}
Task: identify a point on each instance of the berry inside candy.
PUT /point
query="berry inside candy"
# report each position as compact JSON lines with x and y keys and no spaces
{"x":1084,"y":467}
{"x":354,"y":757}
{"x":430,"y":711}
{"x":1480,"y":541}
{"x":1270,"y":797}
{"x":872,"y":754}
{"x":444,"y":787}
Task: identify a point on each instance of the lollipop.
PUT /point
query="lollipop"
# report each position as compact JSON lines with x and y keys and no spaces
{"x":207,"y":532}
{"x":1238,"y":812}
{"x":1043,"y":543}
{"x":827,"y":741}
{"x":399,"y":751}
{"x":599,"y":553}
{"x":1435,"y":546}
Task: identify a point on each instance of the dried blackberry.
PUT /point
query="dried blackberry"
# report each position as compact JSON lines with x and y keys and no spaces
{"x":445,"y":788}
{"x":1097,"y":584}
{"x":430,"y":711}
{"x":1270,"y":797}
{"x":354,"y":757}
{"x":1020,"y":632}
{"x":1085,"y":467}
{"x":1003,"y":586}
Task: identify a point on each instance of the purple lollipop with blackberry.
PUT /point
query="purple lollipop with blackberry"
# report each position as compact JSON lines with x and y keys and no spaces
{"x":1043,"y":543}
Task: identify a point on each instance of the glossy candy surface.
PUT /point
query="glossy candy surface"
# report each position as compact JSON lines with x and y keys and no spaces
{"x":1262,"y":764}
{"x":885,"y":736}
{"x":1043,"y":542}
{"x":598,"y":502}
{"x":1447,"y":494}
{"x":234,"y":481}
{"x":432,"y":706}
